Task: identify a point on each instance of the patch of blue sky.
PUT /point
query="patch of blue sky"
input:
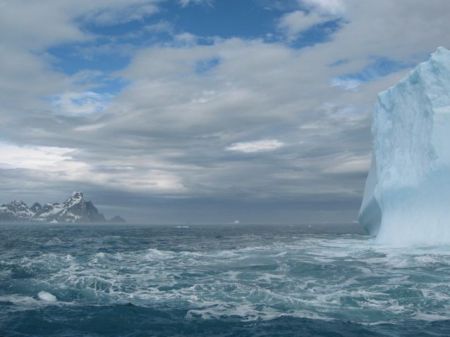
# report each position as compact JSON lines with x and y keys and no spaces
{"x":93,"y":73}
{"x":319,"y":33}
{"x":206,"y":65}
{"x":379,"y":67}
{"x":148,"y":30}
{"x":92,"y":65}
{"x":116,"y":29}
{"x":98,"y":55}
{"x":225,"y":19}
{"x":111,"y":45}
{"x":339,"y":63}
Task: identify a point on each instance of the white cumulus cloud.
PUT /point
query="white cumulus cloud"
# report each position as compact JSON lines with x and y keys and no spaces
{"x":298,"y":21}
{"x":256,"y":146}
{"x":45,"y":158}
{"x":346,"y":83}
{"x":328,"y":7}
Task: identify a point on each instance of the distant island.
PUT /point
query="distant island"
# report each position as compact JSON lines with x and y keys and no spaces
{"x":74,"y":210}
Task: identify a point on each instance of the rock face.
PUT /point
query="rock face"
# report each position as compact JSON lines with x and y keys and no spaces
{"x":407,"y":193}
{"x":74,"y":210}
{"x":117,"y":220}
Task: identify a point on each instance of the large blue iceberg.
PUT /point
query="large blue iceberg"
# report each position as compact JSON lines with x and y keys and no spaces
{"x":407,"y":192}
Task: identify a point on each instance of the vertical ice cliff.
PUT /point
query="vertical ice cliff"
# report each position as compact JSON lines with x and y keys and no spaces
{"x":407,"y":193}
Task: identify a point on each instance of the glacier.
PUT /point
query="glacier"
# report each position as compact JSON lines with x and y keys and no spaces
{"x":407,"y":193}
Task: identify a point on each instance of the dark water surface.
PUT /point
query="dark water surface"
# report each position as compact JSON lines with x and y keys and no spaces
{"x":58,"y":280}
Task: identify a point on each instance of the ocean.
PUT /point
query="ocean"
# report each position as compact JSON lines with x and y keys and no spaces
{"x":230,"y":280}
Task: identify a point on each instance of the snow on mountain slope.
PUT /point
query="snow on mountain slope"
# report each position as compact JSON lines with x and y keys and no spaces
{"x":75,"y":209}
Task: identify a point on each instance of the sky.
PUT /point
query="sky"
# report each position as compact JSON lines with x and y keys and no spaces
{"x":202,"y":111}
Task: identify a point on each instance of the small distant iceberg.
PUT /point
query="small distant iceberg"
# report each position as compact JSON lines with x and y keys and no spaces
{"x":407,"y":193}
{"x":47,"y":297}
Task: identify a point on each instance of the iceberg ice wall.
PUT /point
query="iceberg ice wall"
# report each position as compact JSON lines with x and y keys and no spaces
{"x":407,"y":193}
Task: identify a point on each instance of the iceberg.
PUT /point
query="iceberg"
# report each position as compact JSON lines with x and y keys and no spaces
{"x":407,"y":193}
{"x":47,"y":297}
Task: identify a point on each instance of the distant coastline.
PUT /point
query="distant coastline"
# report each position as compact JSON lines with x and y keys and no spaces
{"x":75,"y":209}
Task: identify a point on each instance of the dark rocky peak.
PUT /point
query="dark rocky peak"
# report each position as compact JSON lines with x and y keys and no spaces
{"x":75,"y":199}
{"x":17,"y":205}
{"x":117,"y":220}
{"x":37,"y":207}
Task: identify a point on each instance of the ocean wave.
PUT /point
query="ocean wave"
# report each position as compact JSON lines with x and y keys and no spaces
{"x":314,"y":277}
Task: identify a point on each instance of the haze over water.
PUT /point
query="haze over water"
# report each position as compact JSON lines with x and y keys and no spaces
{"x":232,"y":280}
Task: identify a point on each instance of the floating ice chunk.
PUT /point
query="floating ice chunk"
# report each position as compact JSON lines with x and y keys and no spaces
{"x":407,"y":194}
{"x":47,"y":297}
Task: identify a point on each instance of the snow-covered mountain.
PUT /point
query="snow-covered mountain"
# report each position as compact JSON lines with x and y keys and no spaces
{"x":74,"y":210}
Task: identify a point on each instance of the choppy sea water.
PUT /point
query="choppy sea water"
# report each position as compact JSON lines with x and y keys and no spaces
{"x":130,"y":280}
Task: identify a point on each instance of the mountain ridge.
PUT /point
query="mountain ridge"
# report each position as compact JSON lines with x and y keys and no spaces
{"x":75,"y":209}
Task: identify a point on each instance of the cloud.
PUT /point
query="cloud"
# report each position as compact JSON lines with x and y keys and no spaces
{"x":79,"y":104}
{"x":348,"y":164}
{"x":265,"y":145}
{"x":123,"y":14}
{"x":185,"y":3}
{"x":43,"y":158}
{"x":328,"y":7}
{"x":36,"y":25}
{"x":345,"y":83}
{"x":296,"y":22}
{"x":56,"y":164}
